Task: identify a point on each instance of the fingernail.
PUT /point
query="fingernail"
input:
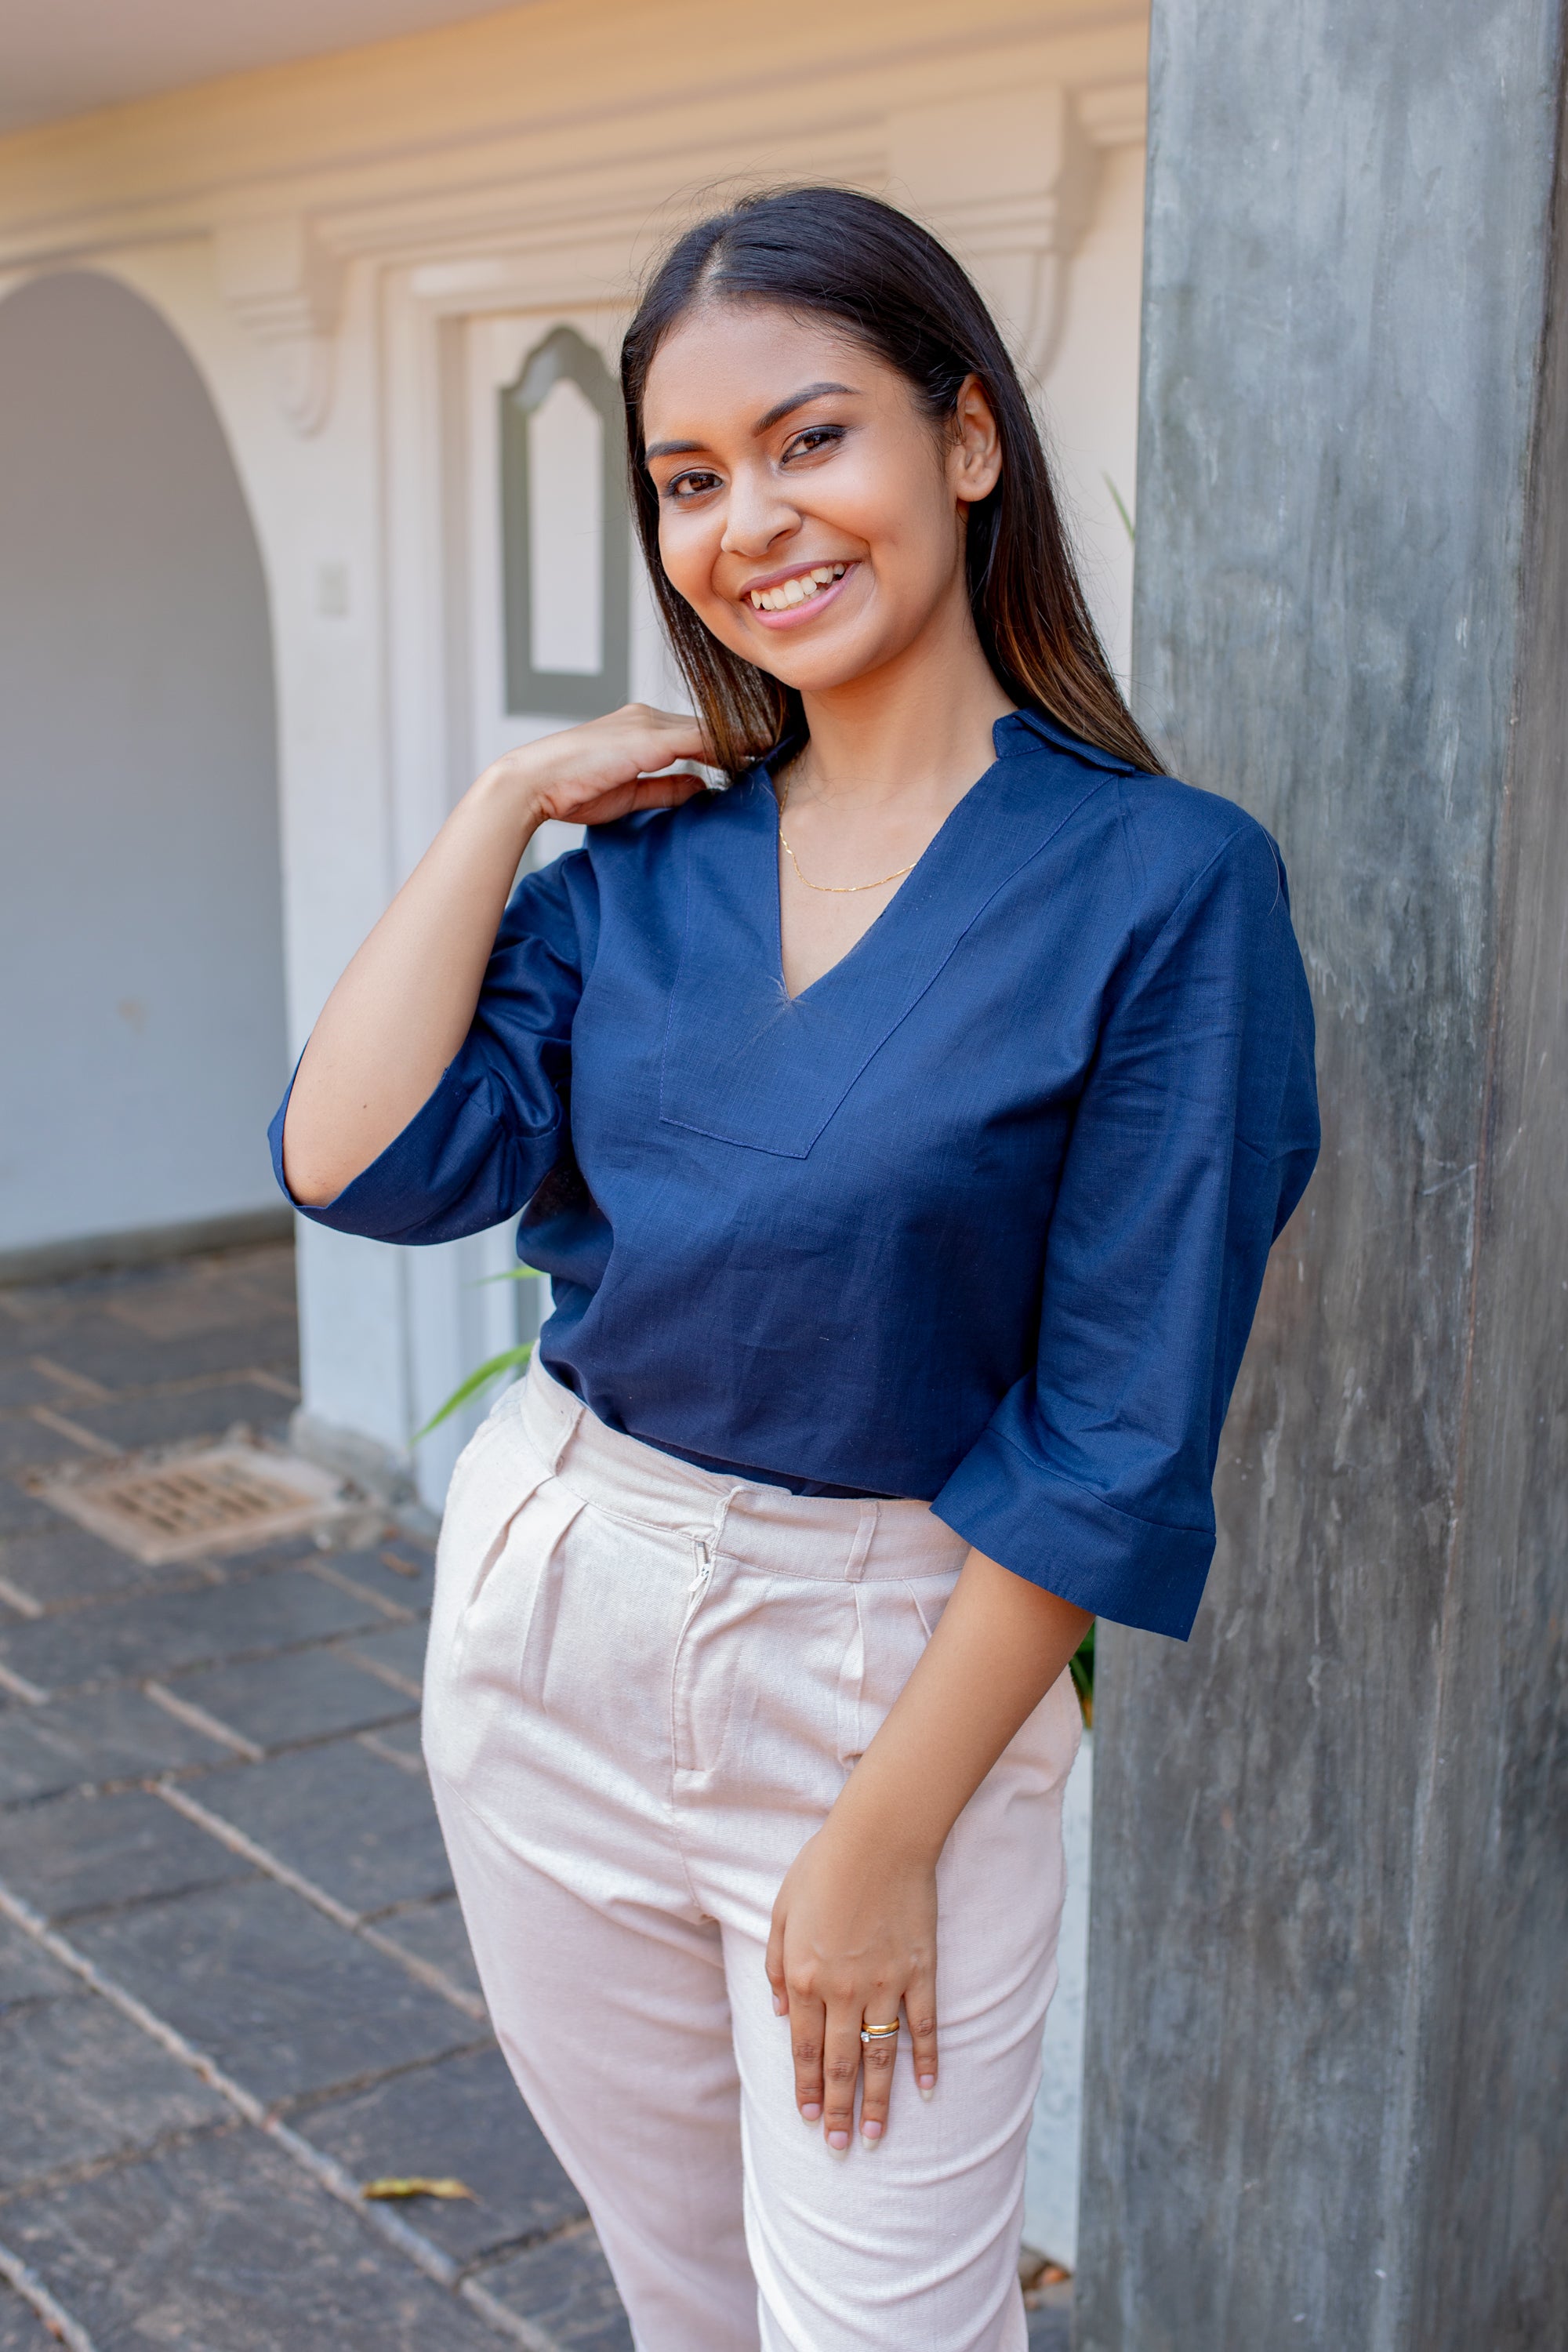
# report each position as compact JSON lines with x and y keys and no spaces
{"x":811,"y":2115}
{"x":872,"y":2132}
{"x":927,"y":2086}
{"x":780,"y":2005}
{"x":838,"y":2142}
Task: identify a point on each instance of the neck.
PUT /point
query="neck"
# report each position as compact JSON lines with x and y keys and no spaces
{"x":918,"y":727}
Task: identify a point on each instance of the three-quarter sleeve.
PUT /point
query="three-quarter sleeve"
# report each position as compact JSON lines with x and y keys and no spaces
{"x":1193,"y":1139}
{"x":484,"y":1141}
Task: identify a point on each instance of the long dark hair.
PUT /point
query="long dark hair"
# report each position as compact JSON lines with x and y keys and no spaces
{"x":883,"y":279}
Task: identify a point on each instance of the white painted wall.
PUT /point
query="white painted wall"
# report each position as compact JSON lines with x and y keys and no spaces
{"x":1091,"y":391}
{"x":141,"y":930}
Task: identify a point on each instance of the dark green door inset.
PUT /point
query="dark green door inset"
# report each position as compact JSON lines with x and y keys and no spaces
{"x":597,"y":679}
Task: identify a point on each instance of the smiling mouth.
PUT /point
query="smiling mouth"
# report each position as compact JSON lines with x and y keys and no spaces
{"x":804,"y":588}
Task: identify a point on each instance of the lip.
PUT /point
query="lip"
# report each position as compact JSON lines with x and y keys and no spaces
{"x":794,"y":615}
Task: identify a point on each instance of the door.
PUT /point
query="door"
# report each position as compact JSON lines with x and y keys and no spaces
{"x":558,"y":626}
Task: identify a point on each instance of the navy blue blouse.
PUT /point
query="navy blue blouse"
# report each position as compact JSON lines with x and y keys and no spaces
{"x":980,"y":1216}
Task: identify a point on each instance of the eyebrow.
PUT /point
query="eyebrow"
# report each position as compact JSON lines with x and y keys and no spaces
{"x":764,"y":424}
{"x":798,"y":400}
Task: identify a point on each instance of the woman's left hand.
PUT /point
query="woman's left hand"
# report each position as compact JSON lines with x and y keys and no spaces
{"x":854,"y":1930}
{"x":854,"y":1935}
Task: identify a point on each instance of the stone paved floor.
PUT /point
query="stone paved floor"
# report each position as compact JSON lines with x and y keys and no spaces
{"x":234,"y":1983}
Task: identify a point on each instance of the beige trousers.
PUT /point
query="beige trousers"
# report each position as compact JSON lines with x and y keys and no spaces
{"x":646,"y":1687}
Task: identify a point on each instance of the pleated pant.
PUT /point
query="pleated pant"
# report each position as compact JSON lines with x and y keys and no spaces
{"x":646,"y":1687}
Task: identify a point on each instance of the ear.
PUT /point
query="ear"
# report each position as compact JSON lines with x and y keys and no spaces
{"x":974,"y":458}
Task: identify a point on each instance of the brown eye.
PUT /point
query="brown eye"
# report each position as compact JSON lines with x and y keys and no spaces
{"x":813,"y":438}
{"x":683,"y":487}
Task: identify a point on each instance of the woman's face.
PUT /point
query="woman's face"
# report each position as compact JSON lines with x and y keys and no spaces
{"x":809,"y":512}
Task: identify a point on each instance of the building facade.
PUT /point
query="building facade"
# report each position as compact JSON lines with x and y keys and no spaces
{"x":305,"y":391}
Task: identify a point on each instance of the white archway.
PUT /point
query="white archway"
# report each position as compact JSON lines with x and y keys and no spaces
{"x":141,"y":944}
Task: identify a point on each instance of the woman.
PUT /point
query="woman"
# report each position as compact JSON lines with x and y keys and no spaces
{"x":904,"y":1130}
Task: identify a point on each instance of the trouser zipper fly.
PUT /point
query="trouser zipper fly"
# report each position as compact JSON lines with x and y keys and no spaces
{"x":702,"y":1547}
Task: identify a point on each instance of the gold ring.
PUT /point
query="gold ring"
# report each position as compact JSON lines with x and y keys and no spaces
{"x":878,"y":2032}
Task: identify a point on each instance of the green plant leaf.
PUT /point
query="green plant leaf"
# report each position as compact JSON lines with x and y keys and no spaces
{"x":511,"y":1360}
{"x":511,"y":1274}
{"x":1122,"y":509}
{"x":1083,"y":1674}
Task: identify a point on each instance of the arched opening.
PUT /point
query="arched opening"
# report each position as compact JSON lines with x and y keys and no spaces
{"x":140,"y":926}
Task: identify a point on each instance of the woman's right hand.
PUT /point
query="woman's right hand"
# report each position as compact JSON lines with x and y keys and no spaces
{"x":603,"y":769}
{"x":403,"y":1007}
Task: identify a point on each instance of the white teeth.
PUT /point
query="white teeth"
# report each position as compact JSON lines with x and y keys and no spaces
{"x":798,"y":591}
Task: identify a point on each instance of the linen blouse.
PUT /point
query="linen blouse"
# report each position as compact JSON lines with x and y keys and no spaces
{"x":979,"y":1217}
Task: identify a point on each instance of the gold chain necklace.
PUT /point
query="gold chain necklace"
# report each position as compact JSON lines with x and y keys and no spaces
{"x":835,"y":889}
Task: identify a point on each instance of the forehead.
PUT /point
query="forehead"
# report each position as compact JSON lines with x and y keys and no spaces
{"x":726,"y":364}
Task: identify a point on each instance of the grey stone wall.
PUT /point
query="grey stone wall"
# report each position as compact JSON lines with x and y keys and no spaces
{"x":1330,"y":1928}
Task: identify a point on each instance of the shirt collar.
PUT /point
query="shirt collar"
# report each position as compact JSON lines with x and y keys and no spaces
{"x":1018,"y":731}
{"x":1013,"y":734}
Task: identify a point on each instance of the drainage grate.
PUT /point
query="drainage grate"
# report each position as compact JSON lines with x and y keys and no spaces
{"x":180,"y":1506}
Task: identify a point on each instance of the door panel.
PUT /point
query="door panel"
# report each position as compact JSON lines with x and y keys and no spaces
{"x":581,"y":631}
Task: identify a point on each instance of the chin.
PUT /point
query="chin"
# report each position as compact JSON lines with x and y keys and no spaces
{"x":817,"y":668}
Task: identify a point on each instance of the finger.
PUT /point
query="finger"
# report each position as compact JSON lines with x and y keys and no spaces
{"x":774,"y":1963}
{"x":808,"y":2023}
{"x":878,"y":2059}
{"x":840,"y":2073}
{"x":689,"y":727}
{"x":619,"y":800}
{"x":654,"y":714}
{"x":920,"y":2007}
{"x":680,"y":730}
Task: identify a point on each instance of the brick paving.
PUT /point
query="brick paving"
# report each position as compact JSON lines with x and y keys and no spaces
{"x":233,"y":1981}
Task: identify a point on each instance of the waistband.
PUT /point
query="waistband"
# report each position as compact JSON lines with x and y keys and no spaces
{"x":822,"y":1536}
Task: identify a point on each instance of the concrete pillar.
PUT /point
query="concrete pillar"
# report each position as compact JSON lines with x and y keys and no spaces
{"x":1330,"y":1922}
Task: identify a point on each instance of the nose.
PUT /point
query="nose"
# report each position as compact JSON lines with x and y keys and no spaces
{"x":758,"y":514}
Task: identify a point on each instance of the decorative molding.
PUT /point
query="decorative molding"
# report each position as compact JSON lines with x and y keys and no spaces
{"x":1116,"y":114}
{"x":580,"y":153}
{"x":282,"y":282}
{"x":1008,"y":178}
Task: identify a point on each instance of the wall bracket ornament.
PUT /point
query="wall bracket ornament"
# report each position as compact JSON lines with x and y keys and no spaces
{"x":1008,"y":180}
{"x":285,"y":286}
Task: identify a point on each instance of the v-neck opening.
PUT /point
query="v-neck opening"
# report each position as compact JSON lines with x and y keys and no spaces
{"x":882,"y":913}
{"x":745,"y":1063}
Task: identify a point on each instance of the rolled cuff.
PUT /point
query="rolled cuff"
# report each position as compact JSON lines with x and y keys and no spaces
{"x":1073,"y":1542}
{"x":439,"y":1178}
